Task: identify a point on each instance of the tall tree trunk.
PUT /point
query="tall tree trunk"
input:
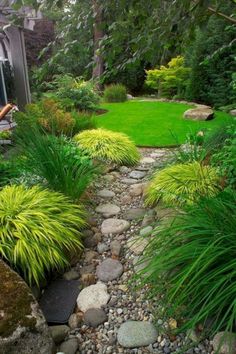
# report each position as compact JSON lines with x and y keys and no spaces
{"x":98,"y":35}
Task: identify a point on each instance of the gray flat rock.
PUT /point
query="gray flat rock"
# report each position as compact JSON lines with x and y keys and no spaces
{"x":137,"y":174}
{"x":135,"y":213}
{"x":129,"y":180}
{"x":94,"y":317}
{"x":114,"y":226}
{"x":147,"y":160}
{"x":108,"y":270}
{"x":133,"y":334}
{"x":105,"y":193}
{"x":108,"y":209}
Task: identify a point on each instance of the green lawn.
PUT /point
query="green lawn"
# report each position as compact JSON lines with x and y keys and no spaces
{"x":154,"y":123}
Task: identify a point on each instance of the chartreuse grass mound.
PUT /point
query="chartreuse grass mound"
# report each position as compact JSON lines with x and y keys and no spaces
{"x":108,"y":146}
{"x":38,"y":229}
{"x":182,"y":184}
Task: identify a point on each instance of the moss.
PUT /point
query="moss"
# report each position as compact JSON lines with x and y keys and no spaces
{"x":15,"y":302}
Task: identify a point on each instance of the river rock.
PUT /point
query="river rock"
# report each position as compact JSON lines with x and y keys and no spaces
{"x":108,"y":209}
{"x":22,"y":324}
{"x":71,"y":275}
{"x":135,"y":213}
{"x":94,"y":296}
{"x":70,"y":346}
{"x":224,"y":343}
{"x":114,"y":226}
{"x":147,"y":160}
{"x":136,"y":190}
{"x":199,"y":113}
{"x":59,"y":333}
{"x":94,"y":317}
{"x":133,"y":334}
{"x":105,"y":193}
{"x":129,"y":180}
{"x":115,"y":248}
{"x":137,"y":174}
{"x":137,"y":245}
{"x":102,"y":247}
{"x":108,"y":270}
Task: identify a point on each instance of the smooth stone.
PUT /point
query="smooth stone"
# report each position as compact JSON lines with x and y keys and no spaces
{"x":90,"y":268}
{"x":108,"y":209}
{"x":89,"y":256}
{"x":71,"y":275}
{"x":59,"y":333}
{"x":74,"y":321}
{"x":135,"y":213}
{"x":102,"y":247}
{"x":115,"y":248}
{"x":133,"y":334}
{"x":137,"y":174}
{"x":129,"y":180}
{"x":108,"y":270}
{"x":146,"y":231}
{"x":105,"y":193}
{"x":124,"y":169}
{"x":137,"y":245}
{"x":224,"y":343}
{"x":126,"y":199}
{"x":70,"y":346}
{"x":147,"y":160}
{"x":109,"y":178}
{"x":94,"y":317}
{"x":136,"y":190}
{"x":94,"y":296}
{"x":114,"y":226}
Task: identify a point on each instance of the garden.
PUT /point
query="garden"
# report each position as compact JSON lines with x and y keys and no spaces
{"x":118,"y":185}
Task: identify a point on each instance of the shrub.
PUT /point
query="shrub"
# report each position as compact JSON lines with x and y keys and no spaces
{"x":115,"y":93}
{"x":170,"y":80}
{"x":38,"y":229}
{"x":47,"y":114}
{"x":192,"y":265}
{"x":108,"y":146}
{"x":83,"y":121}
{"x":183,"y":183}
{"x":58,"y":161}
{"x":74,"y":93}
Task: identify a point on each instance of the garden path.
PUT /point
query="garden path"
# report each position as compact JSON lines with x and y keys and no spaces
{"x":117,"y":218}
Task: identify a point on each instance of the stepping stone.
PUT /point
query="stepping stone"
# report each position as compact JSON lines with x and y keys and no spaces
{"x":147,"y":160}
{"x":108,"y":270}
{"x":137,"y":174}
{"x":94,"y":296}
{"x":136,"y":190}
{"x":108,"y":209}
{"x":133,"y":334}
{"x":137,"y":245}
{"x":129,"y":180}
{"x":94,"y":317}
{"x":135,"y":213}
{"x":59,"y":299}
{"x":114,"y":226}
{"x":105,"y":193}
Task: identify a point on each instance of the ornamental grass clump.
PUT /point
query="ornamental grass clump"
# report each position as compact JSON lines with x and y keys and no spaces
{"x":38,"y":229}
{"x":192,"y":265}
{"x":183,"y":184}
{"x":108,"y":146}
{"x":115,"y":93}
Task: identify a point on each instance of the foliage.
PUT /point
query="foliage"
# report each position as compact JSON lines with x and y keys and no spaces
{"x":183,"y":184}
{"x":38,"y":229}
{"x":115,"y":93}
{"x":192,"y":267}
{"x":9,"y":170}
{"x":58,"y":161}
{"x":109,"y":146}
{"x":74,"y":93}
{"x":192,"y":150}
{"x":47,"y":114}
{"x":5,"y":135}
{"x":169,"y":80}
{"x":83,"y":121}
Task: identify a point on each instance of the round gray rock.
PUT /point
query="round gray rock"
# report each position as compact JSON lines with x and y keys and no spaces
{"x":109,"y":269}
{"x":70,"y":346}
{"x":137,"y":174}
{"x":129,"y":180}
{"x":133,"y":334}
{"x":135,"y":213}
{"x":108,"y":209}
{"x":224,"y":343}
{"x":105,"y":193}
{"x":114,"y":226}
{"x":94,"y":317}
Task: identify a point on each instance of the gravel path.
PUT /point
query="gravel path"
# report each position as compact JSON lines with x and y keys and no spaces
{"x":109,"y":318}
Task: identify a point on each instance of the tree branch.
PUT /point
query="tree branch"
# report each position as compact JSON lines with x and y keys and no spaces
{"x":226,"y":17}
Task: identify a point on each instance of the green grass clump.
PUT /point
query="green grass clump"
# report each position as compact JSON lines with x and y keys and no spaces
{"x":108,"y":146}
{"x":38,"y":228}
{"x":182,"y":183}
{"x":115,"y":93}
{"x":155,"y":123}
{"x":192,"y":265}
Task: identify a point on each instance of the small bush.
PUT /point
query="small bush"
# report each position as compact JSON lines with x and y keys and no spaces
{"x":58,"y":161}
{"x":115,"y":93}
{"x":83,"y":121}
{"x":183,"y":183}
{"x":108,"y":146}
{"x":192,"y":265}
{"x":38,"y":229}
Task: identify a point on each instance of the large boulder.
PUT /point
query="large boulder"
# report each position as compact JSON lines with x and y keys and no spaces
{"x":23,"y":329}
{"x":199,"y":113}
{"x":233,"y":112}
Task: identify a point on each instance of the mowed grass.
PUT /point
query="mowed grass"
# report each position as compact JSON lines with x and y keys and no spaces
{"x":155,"y":123}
